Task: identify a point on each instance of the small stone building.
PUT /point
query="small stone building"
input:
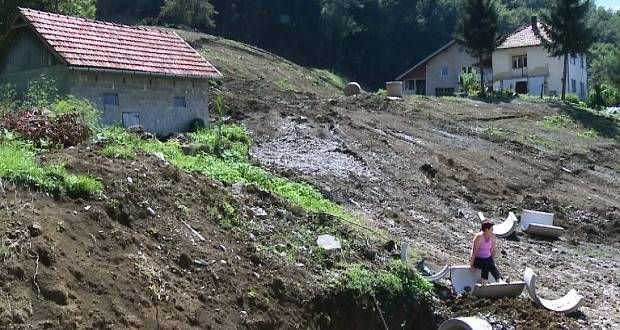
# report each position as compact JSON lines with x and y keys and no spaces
{"x":134,"y":75}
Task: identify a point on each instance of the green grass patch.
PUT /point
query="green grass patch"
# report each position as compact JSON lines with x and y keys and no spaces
{"x":18,"y":164}
{"x":286,"y":86}
{"x":537,"y":140}
{"x":118,"y":151}
{"x":330,"y":78}
{"x":558,"y":121}
{"x":397,"y":279}
{"x":232,"y":166}
{"x":590,"y":133}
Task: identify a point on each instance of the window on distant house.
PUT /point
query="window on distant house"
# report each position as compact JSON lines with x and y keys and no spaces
{"x":573,"y":86}
{"x":467,"y":69}
{"x":573,"y":59}
{"x":444,"y":72}
{"x":179,"y":102}
{"x":110,"y":100}
{"x":519,"y":62}
{"x":582,"y":90}
{"x":581,"y":59}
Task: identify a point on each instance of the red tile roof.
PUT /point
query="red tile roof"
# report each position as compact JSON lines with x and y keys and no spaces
{"x":96,"y":44}
{"x":523,"y":37}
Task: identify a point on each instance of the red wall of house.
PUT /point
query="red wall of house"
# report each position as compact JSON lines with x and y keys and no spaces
{"x":417,"y":73}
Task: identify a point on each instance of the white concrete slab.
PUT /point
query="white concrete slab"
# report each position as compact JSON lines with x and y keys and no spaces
{"x":499,"y":290}
{"x":571,"y":302}
{"x":544,"y":230}
{"x":445,"y":272}
{"x":465,"y":323}
{"x":529,"y":216}
{"x":464,"y":278}
{"x":507,"y":227}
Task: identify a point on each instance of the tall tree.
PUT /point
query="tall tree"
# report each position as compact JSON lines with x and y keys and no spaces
{"x":193,"y":13}
{"x":477,"y":29}
{"x":567,"y":31}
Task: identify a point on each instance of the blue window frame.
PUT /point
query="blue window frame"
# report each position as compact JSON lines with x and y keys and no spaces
{"x":110,"y":100}
{"x":444,"y":72}
{"x":179,"y":102}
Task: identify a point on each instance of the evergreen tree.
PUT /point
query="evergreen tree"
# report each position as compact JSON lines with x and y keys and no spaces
{"x":567,"y":31}
{"x":477,"y":29}
{"x":193,"y":13}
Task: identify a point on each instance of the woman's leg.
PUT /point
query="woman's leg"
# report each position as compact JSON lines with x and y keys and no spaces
{"x":483,"y":265}
{"x":493,"y":270}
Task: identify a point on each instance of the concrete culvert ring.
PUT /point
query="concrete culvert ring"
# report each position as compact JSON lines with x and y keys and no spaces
{"x":465,"y":323}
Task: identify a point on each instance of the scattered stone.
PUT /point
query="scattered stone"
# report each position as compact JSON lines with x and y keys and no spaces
{"x":352,"y":88}
{"x":243,"y":314}
{"x":332,"y":101}
{"x":201,"y":263}
{"x":238,"y":187}
{"x":259,"y":212}
{"x":251,"y":237}
{"x":35,"y":229}
{"x":87,"y":208}
{"x":257,"y":275}
{"x":151,"y":212}
{"x":223,"y":248}
{"x":129,"y":180}
{"x":328,"y":242}
{"x":223,"y":262}
{"x":160,"y":156}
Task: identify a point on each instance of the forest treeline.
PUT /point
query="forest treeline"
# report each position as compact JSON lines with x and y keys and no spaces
{"x":370,"y":41}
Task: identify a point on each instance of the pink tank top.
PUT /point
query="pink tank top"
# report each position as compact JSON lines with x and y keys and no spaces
{"x":484,"y":251}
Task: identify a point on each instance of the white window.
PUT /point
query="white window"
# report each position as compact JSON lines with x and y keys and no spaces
{"x":444,"y":72}
{"x":467,"y":69}
{"x":519,"y":62}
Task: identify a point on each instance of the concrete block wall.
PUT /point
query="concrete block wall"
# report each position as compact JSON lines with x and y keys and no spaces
{"x":148,"y":96}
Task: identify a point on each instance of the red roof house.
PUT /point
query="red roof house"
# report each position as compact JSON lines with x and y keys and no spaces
{"x":135,"y":75}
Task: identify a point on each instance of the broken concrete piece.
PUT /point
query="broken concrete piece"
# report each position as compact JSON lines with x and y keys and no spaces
{"x":539,"y":223}
{"x":352,"y":88}
{"x":445,"y":272}
{"x":499,"y":290}
{"x":328,"y":242}
{"x":567,"y":304}
{"x":464,"y":278}
{"x":507,"y":227}
{"x":465,"y":323}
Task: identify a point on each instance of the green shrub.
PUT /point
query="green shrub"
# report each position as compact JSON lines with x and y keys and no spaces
{"x":558,"y":121}
{"x":572,"y":98}
{"x":8,"y":98}
{"x":197,"y":125}
{"x":41,"y":92}
{"x":89,"y":115}
{"x":381,"y":92}
{"x":469,"y":83}
{"x":398,"y":279}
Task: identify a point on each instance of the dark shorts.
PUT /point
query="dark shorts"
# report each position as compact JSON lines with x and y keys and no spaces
{"x":487,"y":265}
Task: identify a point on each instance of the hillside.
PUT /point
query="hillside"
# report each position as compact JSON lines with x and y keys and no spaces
{"x":175,"y":242}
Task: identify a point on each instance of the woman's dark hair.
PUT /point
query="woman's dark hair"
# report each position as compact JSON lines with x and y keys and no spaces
{"x":486,"y":225}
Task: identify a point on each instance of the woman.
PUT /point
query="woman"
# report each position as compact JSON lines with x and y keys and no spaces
{"x":483,"y":251}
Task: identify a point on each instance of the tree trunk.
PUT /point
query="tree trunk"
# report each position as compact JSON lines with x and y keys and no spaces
{"x":564,"y":77}
{"x":481,"y":76}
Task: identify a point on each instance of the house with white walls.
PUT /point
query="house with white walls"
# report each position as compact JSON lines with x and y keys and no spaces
{"x":522,"y":64}
{"x":439,"y":73}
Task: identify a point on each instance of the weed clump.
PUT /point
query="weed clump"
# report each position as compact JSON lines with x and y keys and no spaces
{"x":18,"y":164}
{"x":396,"y":280}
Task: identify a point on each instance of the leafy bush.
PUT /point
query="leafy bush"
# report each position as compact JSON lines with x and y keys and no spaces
{"x":8,"y":98}
{"x":88,"y":114}
{"x":469,"y":83}
{"x":381,"y":92}
{"x":197,"y":125}
{"x":398,"y":279}
{"x":65,"y":130}
{"x":604,"y":96}
{"x":558,"y":121}
{"x":41,"y":92}
{"x":18,"y":164}
{"x":572,"y":98}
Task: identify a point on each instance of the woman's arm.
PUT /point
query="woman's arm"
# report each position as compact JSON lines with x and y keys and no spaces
{"x":474,"y":250}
